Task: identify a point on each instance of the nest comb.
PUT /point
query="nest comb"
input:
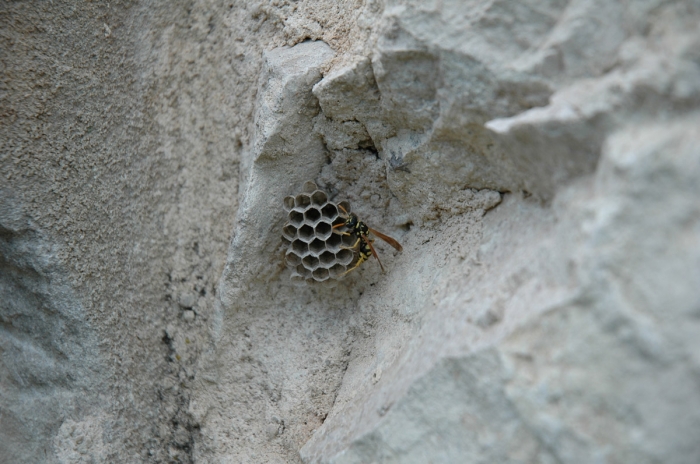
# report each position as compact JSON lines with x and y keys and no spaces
{"x":314,"y":249}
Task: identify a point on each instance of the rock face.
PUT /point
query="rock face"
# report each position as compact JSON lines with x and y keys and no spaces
{"x":47,"y":344}
{"x":539,"y":162}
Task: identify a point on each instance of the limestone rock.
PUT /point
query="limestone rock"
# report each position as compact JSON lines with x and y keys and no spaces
{"x":284,"y":152}
{"x":538,"y":161}
{"x":48,"y":361}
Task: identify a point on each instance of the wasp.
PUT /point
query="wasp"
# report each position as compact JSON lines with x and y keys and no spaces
{"x":362,"y":231}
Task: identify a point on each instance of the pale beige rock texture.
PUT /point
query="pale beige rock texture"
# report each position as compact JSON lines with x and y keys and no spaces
{"x":539,"y":162}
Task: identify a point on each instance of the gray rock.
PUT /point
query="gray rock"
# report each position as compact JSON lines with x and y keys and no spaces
{"x":285,"y":153}
{"x":187,"y":300}
{"x":538,"y":161}
{"x":579,"y":351}
{"x":49,"y":361}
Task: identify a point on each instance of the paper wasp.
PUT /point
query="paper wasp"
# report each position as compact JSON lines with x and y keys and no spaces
{"x":362,"y":231}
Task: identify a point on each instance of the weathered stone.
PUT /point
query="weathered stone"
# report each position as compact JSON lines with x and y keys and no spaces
{"x":285,"y":151}
{"x":538,"y":162}
{"x":49,"y":364}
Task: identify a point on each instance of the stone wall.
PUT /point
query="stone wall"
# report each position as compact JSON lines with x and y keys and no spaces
{"x":538,"y":161}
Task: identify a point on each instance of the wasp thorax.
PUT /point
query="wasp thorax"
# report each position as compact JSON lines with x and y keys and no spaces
{"x":315,"y":251}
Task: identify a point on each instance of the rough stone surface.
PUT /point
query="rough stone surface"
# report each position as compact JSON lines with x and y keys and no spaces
{"x":539,"y":162}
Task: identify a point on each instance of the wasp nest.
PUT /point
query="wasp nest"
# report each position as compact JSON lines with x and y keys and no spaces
{"x":315,"y":251}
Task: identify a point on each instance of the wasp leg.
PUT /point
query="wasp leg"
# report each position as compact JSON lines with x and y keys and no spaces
{"x":359,"y":261}
{"x":352,"y":247}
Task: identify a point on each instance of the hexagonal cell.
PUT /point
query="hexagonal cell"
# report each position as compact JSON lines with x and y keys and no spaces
{"x":321,"y":274}
{"x":336,"y":270}
{"x":292,"y":259}
{"x":301,"y":202}
{"x":302,"y":271}
{"x":309,"y":186}
{"x":323,"y":230}
{"x":306,"y":233}
{"x":329,"y":212}
{"x":344,"y":256}
{"x":296,"y":218}
{"x":327,"y":259}
{"x":333,"y":242}
{"x":317,"y":247}
{"x":349,"y":240}
{"x":288,"y":203}
{"x":310,"y":262}
{"x":345,"y":205}
{"x":340,"y":220}
{"x":315,"y":251}
{"x":289,"y":232}
{"x":319,"y":198}
{"x":300,"y":248}
{"x":312,"y":215}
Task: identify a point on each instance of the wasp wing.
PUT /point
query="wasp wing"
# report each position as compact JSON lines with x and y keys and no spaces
{"x":375,"y":255}
{"x":387,"y":239}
